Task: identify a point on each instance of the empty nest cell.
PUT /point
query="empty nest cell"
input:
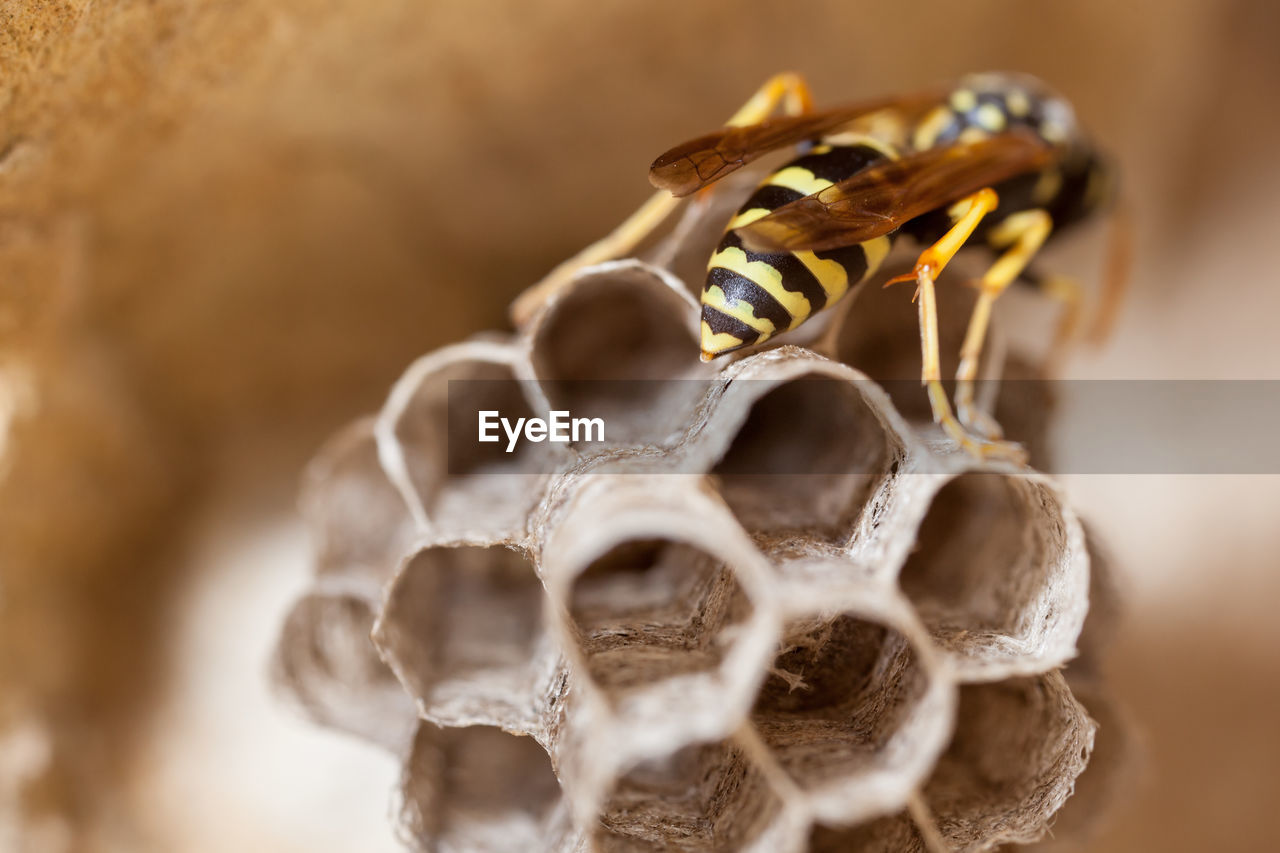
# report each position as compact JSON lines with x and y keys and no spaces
{"x":463,"y":629}
{"x":456,"y":485}
{"x":997,"y":577}
{"x":1017,"y":750}
{"x":359,"y":523}
{"x":651,"y":609}
{"x":843,"y":707}
{"x":1018,"y":747}
{"x":663,"y":608}
{"x":618,"y":343}
{"x":328,"y":664}
{"x":1098,"y":788}
{"x":480,"y":789}
{"x":805,"y":460}
{"x":704,"y":797}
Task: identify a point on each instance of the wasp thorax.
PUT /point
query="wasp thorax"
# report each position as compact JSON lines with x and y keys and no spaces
{"x":982,"y":105}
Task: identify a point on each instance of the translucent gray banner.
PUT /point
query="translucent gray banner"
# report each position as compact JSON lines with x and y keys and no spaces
{"x":796,"y":426}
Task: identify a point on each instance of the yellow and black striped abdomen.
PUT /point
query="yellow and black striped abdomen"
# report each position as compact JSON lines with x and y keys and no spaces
{"x":749,"y":297}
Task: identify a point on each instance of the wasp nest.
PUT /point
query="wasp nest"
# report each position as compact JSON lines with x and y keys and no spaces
{"x":770,"y":611}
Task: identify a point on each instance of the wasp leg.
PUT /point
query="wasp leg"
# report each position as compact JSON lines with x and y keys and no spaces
{"x":931,"y":375}
{"x":1023,"y":233}
{"x":1070,"y":295}
{"x":967,"y":213}
{"x":965,"y":216}
{"x":620,"y":242}
{"x":788,"y":90}
{"x":1115,"y":278}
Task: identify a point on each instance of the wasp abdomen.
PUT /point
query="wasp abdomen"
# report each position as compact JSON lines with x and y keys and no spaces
{"x":748,"y":296}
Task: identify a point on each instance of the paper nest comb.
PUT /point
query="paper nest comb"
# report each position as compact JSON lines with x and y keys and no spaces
{"x":675,"y":642}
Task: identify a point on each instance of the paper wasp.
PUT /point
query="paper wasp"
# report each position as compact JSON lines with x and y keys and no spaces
{"x":996,"y":158}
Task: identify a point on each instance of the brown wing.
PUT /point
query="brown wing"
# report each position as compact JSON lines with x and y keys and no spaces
{"x":689,"y":167}
{"x":884,"y":196}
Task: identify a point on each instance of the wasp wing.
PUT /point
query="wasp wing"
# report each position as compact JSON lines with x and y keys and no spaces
{"x":693,"y":165}
{"x":882,"y":197}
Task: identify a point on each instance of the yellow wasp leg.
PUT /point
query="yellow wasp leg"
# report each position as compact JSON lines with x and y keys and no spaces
{"x":967,"y":213}
{"x":1023,"y":233}
{"x":788,"y":90}
{"x":618,"y":243}
{"x":1067,"y":291}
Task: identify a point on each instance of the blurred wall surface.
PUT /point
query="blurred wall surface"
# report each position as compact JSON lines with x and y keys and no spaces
{"x":225,"y":227}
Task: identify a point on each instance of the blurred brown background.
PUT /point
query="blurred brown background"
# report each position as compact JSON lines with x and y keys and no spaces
{"x":225,"y":227}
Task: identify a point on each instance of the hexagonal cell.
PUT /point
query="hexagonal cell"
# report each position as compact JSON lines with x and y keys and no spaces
{"x":853,"y":712}
{"x":879,"y":334}
{"x":463,"y":629}
{"x":359,"y":523}
{"x":1100,"y":788}
{"x":481,"y":789}
{"x":327,"y":663}
{"x":1000,"y":574}
{"x":663,"y":606}
{"x":456,"y":486}
{"x":1018,"y":747}
{"x":806,"y":458}
{"x":652,"y":609}
{"x":615,"y":344}
{"x":704,"y":797}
